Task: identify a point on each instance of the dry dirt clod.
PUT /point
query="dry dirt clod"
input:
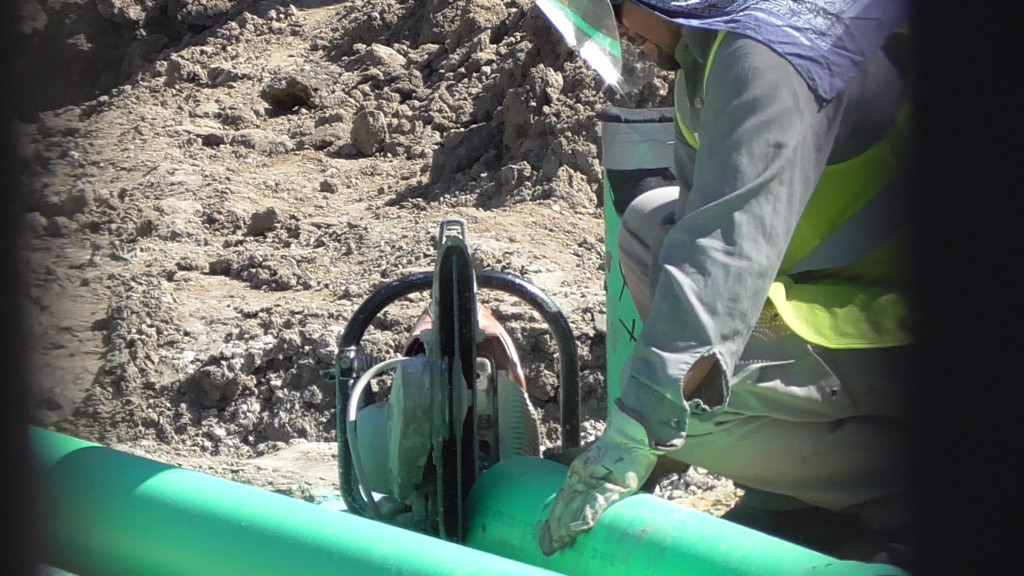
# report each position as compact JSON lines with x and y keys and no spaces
{"x":289,"y":92}
{"x":369,"y":131}
{"x":263,"y":221}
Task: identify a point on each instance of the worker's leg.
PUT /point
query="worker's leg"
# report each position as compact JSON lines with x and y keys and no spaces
{"x":821,"y":426}
{"x":852,"y":464}
{"x":644,"y":225}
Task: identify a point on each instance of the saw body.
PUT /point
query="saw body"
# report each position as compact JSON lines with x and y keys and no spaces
{"x":458,"y":403}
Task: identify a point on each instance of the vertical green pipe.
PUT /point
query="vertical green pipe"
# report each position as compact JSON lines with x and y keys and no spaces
{"x":637,"y":148}
{"x":639,"y":535}
{"x":623,"y":321}
{"x":108,"y":512}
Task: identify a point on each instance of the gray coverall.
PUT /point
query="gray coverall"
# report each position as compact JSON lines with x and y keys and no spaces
{"x":778,"y":415}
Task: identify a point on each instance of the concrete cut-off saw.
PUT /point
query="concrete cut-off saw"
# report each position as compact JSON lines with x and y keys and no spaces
{"x":458,"y":402}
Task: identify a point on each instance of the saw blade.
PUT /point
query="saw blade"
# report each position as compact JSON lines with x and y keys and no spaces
{"x":454,"y":310}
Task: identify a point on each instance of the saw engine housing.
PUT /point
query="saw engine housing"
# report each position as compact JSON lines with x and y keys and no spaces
{"x":458,"y":402}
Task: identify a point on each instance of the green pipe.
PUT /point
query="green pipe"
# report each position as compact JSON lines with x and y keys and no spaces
{"x":108,"y":512}
{"x":640,"y":535}
{"x":623,"y":323}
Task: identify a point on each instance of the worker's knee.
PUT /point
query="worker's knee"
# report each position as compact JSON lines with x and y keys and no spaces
{"x":651,"y":210}
{"x":644,"y":225}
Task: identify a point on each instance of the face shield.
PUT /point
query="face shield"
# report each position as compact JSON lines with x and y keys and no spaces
{"x":591,"y":29}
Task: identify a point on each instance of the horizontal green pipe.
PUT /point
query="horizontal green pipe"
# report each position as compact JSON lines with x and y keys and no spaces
{"x":639,"y":535}
{"x":108,"y":512}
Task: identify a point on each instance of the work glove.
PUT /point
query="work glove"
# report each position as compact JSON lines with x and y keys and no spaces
{"x":613,"y":467}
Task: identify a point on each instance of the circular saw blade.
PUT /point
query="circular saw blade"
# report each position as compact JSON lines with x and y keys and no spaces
{"x":454,"y":310}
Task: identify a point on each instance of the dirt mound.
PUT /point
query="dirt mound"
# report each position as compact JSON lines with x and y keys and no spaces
{"x":216,"y":186}
{"x":483,"y":89}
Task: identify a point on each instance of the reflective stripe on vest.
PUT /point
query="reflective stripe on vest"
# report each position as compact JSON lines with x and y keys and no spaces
{"x":845,"y":308}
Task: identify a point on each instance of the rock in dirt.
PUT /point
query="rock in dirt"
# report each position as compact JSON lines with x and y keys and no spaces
{"x":35,"y":223}
{"x":329,"y":186}
{"x":67,"y":203}
{"x":379,"y":55}
{"x":59,"y":227}
{"x":216,"y":388}
{"x":128,"y":12}
{"x":220,"y":267}
{"x":223,"y":75}
{"x":460,"y":150}
{"x":181,"y":71}
{"x":369,"y":131}
{"x":203,"y":12}
{"x":287,"y":93}
{"x":263,"y":142}
{"x":263,"y":221}
{"x":180,"y":227}
{"x":324,"y":137}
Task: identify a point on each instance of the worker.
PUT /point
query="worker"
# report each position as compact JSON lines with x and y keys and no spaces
{"x":775,"y":327}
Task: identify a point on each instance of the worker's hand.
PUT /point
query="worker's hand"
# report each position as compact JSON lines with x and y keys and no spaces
{"x":609,"y":470}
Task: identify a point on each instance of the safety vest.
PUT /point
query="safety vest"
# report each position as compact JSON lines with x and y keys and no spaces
{"x":854,"y":306}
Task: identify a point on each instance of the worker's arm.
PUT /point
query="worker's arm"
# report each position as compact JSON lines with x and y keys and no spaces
{"x":763,"y":144}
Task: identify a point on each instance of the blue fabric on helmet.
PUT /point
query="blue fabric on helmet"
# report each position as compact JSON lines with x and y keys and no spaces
{"x":827,"y":41}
